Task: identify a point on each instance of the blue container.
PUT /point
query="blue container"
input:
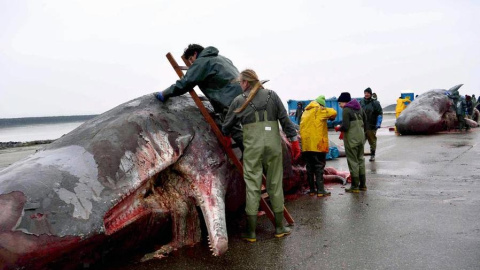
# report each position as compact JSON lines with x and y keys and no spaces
{"x":330,"y":103}
{"x":411,"y":95}
{"x":292,"y":108}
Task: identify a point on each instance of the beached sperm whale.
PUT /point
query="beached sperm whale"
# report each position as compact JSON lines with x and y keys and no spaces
{"x":134,"y":175}
{"x":429,"y":113}
{"x":135,"y":169}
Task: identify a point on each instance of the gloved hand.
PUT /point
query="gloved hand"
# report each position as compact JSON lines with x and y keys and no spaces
{"x":337,"y":128}
{"x":341,"y":136}
{"x":379,"y":121}
{"x":296,"y":152}
{"x":160,"y":96}
{"x":227,"y":141}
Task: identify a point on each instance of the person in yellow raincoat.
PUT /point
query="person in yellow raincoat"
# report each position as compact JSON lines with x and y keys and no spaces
{"x":314,"y":134}
{"x":402,"y":103}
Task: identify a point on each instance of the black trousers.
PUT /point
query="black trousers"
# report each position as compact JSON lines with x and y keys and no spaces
{"x":315,"y":165}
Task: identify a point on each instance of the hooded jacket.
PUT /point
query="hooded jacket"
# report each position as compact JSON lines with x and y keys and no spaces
{"x":314,"y":129}
{"x":215,"y":75}
{"x":461,"y":106}
{"x":372,"y":110}
{"x":353,"y":124}
{"x":402,"y":103}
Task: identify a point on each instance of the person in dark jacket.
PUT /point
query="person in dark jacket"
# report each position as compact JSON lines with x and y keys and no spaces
{"x":353,"y":126}
{"x":215,"y":75}
{"x":461,"y":113}
{"x":261,"y":112}
{"x":299,"y":112}
{"x":374,"y":114}
{"x":469,"y":106}
{"x":459,"y":106}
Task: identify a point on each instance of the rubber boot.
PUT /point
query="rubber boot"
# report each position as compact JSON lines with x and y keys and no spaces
{"x":363,"y":182}
{"x":372,"y":155}
{"x":280,"y":230}
{"x":311,"y":184}
{"x":321,"y":192}
{"x":354,"y":187}
{"x":250,"y":235}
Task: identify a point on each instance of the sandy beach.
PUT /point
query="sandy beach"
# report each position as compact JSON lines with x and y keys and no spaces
{"x":9,"y":156}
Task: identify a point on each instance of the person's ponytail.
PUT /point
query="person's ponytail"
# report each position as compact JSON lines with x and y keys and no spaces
{"x":251,"y":77}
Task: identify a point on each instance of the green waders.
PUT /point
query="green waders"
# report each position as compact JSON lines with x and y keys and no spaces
{"x":263,"y":150}
{"x":353,"y":141}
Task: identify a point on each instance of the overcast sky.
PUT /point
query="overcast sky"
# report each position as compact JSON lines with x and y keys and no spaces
{"x":72,"y":57}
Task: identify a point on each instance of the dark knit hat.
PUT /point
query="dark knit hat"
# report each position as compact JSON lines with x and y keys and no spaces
{"x":344,"y":97}
{"x":368,"y":90}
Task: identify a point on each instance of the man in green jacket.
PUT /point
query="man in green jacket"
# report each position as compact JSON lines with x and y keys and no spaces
{"x":215,"y":75}
{"x":374,"y":114}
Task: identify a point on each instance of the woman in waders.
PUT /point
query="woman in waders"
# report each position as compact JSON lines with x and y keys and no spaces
{"x":353,"y":126}
{"x":259,"y":111}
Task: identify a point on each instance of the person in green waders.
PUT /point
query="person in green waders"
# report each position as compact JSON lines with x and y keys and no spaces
{"x":353,"y":127}
{"x":260,"y":111}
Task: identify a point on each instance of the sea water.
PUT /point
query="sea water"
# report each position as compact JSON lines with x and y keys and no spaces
{"x":34,"y":132}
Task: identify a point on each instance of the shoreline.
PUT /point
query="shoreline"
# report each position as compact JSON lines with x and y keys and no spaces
{"x":6,"y":145}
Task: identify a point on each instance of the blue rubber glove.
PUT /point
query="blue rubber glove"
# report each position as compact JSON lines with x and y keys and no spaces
{"x":160,"y":96}
{"x":379,"y":120}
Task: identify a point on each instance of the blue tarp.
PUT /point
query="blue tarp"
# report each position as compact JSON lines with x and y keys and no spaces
{"x":333,"y":153}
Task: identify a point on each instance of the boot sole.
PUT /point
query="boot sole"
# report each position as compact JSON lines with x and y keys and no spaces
{"x":251,"y":240}
{"x":324,"y":194}
{"x":280,"y":235}
{"x":352,"y":191}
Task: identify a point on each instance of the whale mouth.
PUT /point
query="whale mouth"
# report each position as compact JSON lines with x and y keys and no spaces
{"x":219,"y":246}
{"x":130,"y":208}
